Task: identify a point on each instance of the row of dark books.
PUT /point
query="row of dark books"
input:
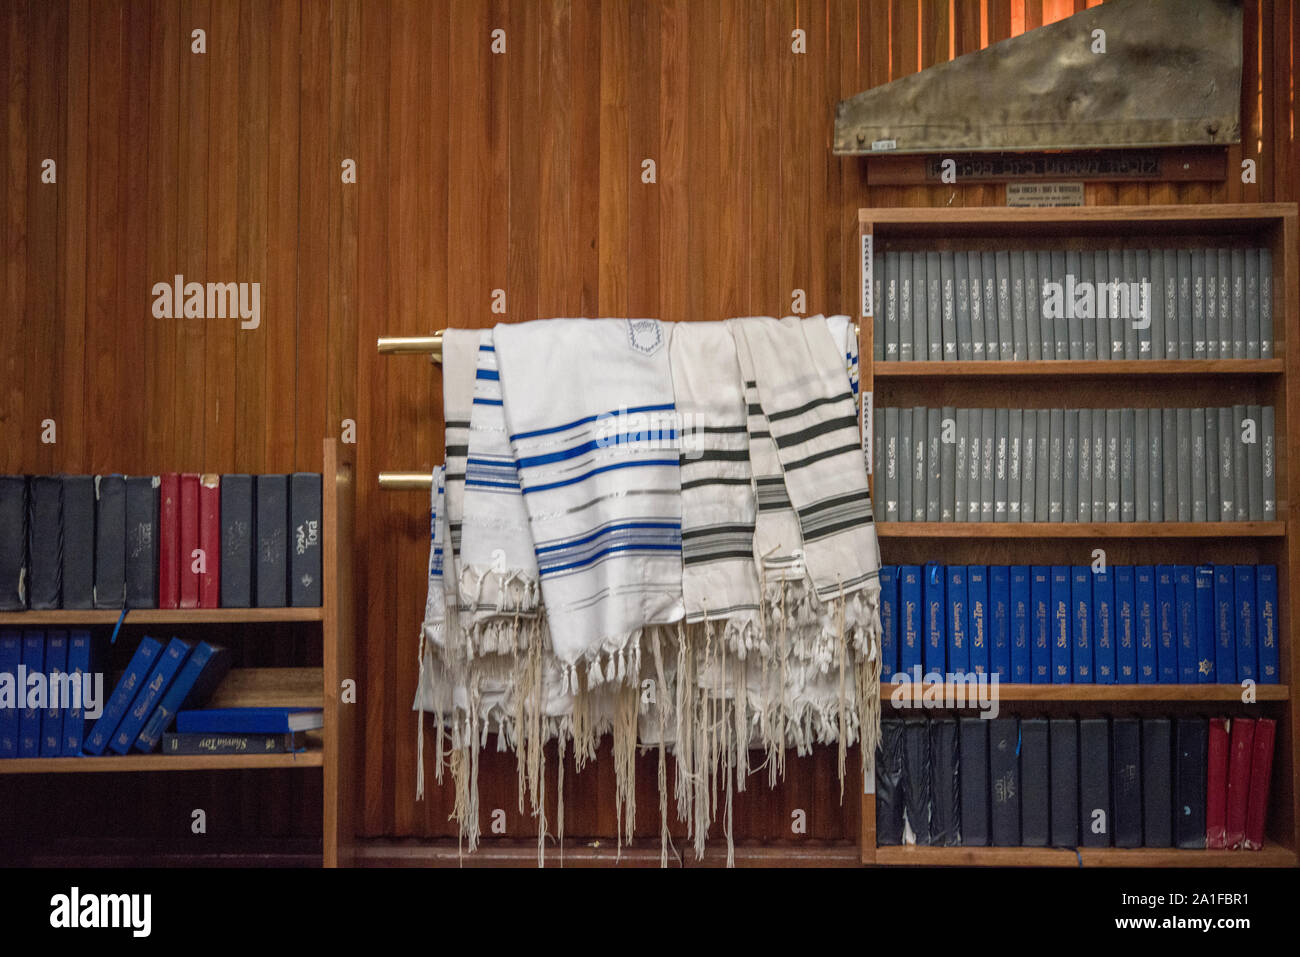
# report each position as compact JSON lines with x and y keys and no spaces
{"x":1190,"y":303}
{"x":1075,"y":465}
{"x":1118,"y":624}
{"x":1184,"y":782}
{"x":169,"y":541}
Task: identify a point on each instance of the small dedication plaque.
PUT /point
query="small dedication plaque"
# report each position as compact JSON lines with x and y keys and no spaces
{"x":1044,"y":194}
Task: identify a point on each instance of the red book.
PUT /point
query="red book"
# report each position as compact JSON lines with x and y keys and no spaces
{"x":1242,"y":750}
{"x":1261,"y":768}
{"x":189,"y":539}
{"x":169,"y":541}
{"x":1216,"y":786}
{"x":210,"y":541}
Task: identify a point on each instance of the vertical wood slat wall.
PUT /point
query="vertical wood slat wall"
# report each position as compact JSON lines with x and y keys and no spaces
{"x":475,"y":172}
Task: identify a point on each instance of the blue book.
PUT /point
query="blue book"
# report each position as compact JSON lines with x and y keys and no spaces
{"x":936,"y":615}
{"x":146,"y":699}
{"x":1018,"y":586}
{"x":1126,"y":661}
{"x":1144,"y":620}
{"x":74,"y":718}
{"x":1244,"y":594}
{"x":1000,"y":622}
{"x":249,"y":720}
{"x":959,"y":623}
{"x":11,"y":656}
{"x":1266,"y":634}
{"x":146,"y":653}
{"x":977,"y":627}
{"x":56,"y":666}
{"x":1166,"y":625}
{"x":1185,"y":622}
{"x":1205,"y":624}
{"x":29,"y":719}
{"x":1225,"y":627}
{"x":1061,"y":624}
{"x":1040,"y":624}
{"x":1081,"y":624}
{"x":909,"y":622}
{"x":1103,"y":627}
{"x":202,"y":671}
{"x":888,"y":622}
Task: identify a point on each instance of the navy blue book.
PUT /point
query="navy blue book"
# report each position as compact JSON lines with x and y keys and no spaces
{"x":1126,"y":667}
{"x":1205,"y":624}
{"x":958,"y":623}
{"x":1225,"y":626}
{"x":1166,"y":625}
{"x":249,"y":720}
{"x":1040,"y":624}
{"x":936,"y":615}
{"x":1266,"y":634}
{"x":29,"y":719}
{"x":74,"y":718}
{"x":1081,"y":624}
{"x":1144,"y":620}
{"x":909,"y":622}
{"x":1103,"y":627}
{"x":1061,"y":624}
{"x":11,"y":656}
{"x":977,"y":628}
{"x":198,"y":677}
{"x":1244,"y":593}
{"x":1185,"y":622}
{"x":1063,"y":784}
{"x":1018,"y":586}
{"x":1000,"y":622}
{"x":150,"y":693}
{"x":13,"y":542}
{"x":56,"y":665}
{"x":888,"y":621}
{"x":146,"y":653}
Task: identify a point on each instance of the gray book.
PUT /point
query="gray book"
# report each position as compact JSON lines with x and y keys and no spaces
{"x":988,"y":443}
{"x":1056,"y":467}
{"x":878,"y":456}
{"x":920,"y":474}
{"x":1211,"y":304}
{"x":961,"y":303}
{"x":905,"y":465}
{"x":1240,"y":468}
{"x":1033,"y":307}
{"x":1042,"y":467}
{"x":975,"y":455}
{"x":1127,"y":464}
{"x":1141,"y":469}
{"x":1001,"y":466}
{"x":878,"y":308}
{"x":1213,"y":500}
{"x":1088,"y":277}
{"x":1199,"y":332}
{"x":1197,"y":426}
{"x":1184,"y":304}
{"x":933,"y":464}
{"x":1098,"y":483}
{"x":1019,"y":322}
{"x":946,"y":464}
{"x":975,"y":286}
{"x":1006,"y":321}
{"x":1112,"y":466}
{"x":1237,"y":277}
{"x":1110,"y":333}
{"x":1132,"y":300}
{"x":1070,"y":466}
{"x":1015,"y":428}
{"x":1029,"y":466}
{"x":1155,"y":463}
{"x":1171,"y":303}
{"x":948,"y":306}
{"x":906,"y":342}
{"x":1169,"y":439}
{"x":1157,"y":303}
{"x":891,"y":306}
{"x":920,"y":309}
{"x":1225,"y":303}
{"x":1227,"y":466}
{"x":1083,"y":461}
{"x":1265,"y":304}
{"x":934,"y":307}
{"x":1255,"y":465}
{"x":960,"y":466}
{"x":989,"y":276}
{"x":1183,"y":484}
{"x":891,"y":465}
{"x":1268,"y":463}
{"x":1252,"y":303}
{"x":1061,"y":323}
{"x":1142,"y":307}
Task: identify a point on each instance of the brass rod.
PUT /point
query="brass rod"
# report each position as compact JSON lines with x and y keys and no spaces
{"x":395,"y":481}
{"x":412,"y":345}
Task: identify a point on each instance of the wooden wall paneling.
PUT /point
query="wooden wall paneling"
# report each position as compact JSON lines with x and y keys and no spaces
{"x":733,"y":173}
{"x":71,"y":276}
{"x":674,"y":78}
{"x":615,"y":132}
{"x":553,"y":148}
{"x":13,"y":212}
{"x":643,"y":98}
{"x":346,"y":342}
{"x":584,"y":151}
{"x":851,"y":171}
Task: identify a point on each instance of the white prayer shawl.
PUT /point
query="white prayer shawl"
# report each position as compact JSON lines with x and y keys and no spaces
{"x":589,"y":407}
{"x":459,"y":355}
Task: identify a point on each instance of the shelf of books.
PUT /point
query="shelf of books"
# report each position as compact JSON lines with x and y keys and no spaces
{"x":1080,"y":422}
{"x":263,"y":556}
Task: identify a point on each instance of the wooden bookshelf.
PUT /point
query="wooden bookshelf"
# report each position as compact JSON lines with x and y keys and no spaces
{"x":330,"y":749}
{"x":1110,"y":384}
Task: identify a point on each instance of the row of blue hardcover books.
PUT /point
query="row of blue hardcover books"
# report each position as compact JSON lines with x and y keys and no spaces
{"x":1044,"y":624}
{"x":157,"y":683}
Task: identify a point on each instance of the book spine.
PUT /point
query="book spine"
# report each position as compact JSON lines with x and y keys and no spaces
{"x":1029,"y":466}
{"x":101,"y":733}
{"x":988,"y":439}
{"x":1055,"y":458}
{"x":110,"y":541}
{"x":906,"y":342}
{"x":1225,"y":626}
{"x":1198,"y":303}
{"x":945,"y":466}
{"x":1252,"y":303}
{"x":1267,"y":464}
{"x":1244,"y":598}
{"x":1157,"y":303}
{"x":13,"y":542}
{"x":948,"y":301}
{"x":958,"y":625}
{"x":960,"y":465}
{"x":1185,"y":622}
{"x":78,"y":579}
{"x":974,"y":454}
{"x":961,"y":299}
{"x":1255,"y":464}
{"x":1131,"y":301}
{"x":944,"y":616}
{"x":1196,"y":428}
{"x":1126,"y":666}
{"x":142,"y":541}
{"x":189,"y":526}
{"x":55,"y":664}
{"x":1001,"y":476}
{"x":1261,"y":768}
{"x":1166,"y":625}
{"x":1213,"y":497}
{"x":1155,"y":463}
{"x":1189,"y":782}
{"x":1157,"y":783}
{"x":238,"y":537}
{"x":1033,"y":308}
{"x":1204,"y":612}
{"x":1103,"y":627}
{"x":149,"y":694}
{"x":1063,"y":755}
{"x":74,"y":716}
{"x":1042,"y":466}
{"x":1006,"y":308}
{"x":978,"y":624}
{"x":1241,"y":747}
{"x":888,"y":621}
{"x":989,"y":274}
{"x":920,"y":310}
{"x":1240,"y":468}
{"x":1144,"y":623}
{"x":11,"y":656}
{"x":1237,"y":276}
{"x":945,"y":815}
{"x":1013,"y":433}
{"x":934,"y":307}
{"x":1081,"y":614}
{"x":1112,"y":438}
{"x":1040,"y":624}
{"x":891,"y":306}
{"x":1225,"y":304}
{"x":1183,"y":474}
{"x":1127,"y":466}
{"x":1061,"y":627}
{"x":1070,"y":466}
{"x":1171,"y":303}
{"x":45,"y":541}
{"x":1170,"y":457}
{"x":1005,"y":781}
{"x":1211,"y":304}
{"x":1092,"y":272}
{"x":1021,"y":625}
{"x":1042,"y":260}
{"x":169,"y":540}
{"x":210,"y":541}
{"x":1265,"y":304}
{"x":272,"y":548}
{"x":909,"y":628}
{"x":1184,"y":260}
{"x":1142,"y":307}
{"x":1227,"y":460}
{"x":933,"y":471}
{"x":1127,"y":781}
{"x":1094,"y":782}
{"x":920,"y":470}
{"x":905,"y":465}
{"x":202,"y":743}
{"x":1266,"y":625}
{"x":305,"y":554}
{"x":973,"y":781}
{"x":29,"y":718}
{"x":916,"y":780}
{"x":1083,"y":464}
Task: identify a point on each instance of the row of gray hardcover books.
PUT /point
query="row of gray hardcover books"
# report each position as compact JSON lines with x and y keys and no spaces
{"x":1075,"y":465}
{"x":1073,"y":304}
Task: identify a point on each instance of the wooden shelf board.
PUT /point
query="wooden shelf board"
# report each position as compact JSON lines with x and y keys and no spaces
{"x":1271,"y":855}
{"x":312,"y":758}
{"x":161,"y":616}
{"x":1053,"y":368}
{"x":976,"y":530}
{"x":1085,"y":692}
